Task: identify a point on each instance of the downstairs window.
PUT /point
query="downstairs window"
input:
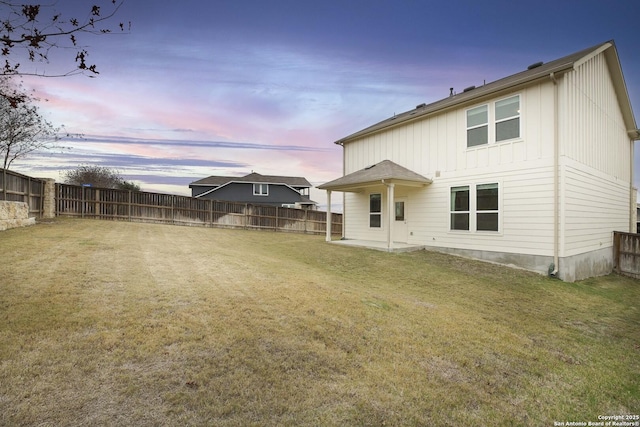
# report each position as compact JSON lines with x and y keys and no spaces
{"x":375,"y":210}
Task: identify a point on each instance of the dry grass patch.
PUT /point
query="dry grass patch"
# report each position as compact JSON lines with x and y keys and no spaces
{"x":120,"y":323}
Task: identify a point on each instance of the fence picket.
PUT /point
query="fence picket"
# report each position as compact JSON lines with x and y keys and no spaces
{"x":626,"y":254}
{"x":143,"y":206}
{"x":16,"y":187}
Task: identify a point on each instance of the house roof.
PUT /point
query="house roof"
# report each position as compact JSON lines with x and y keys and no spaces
{"x":534,"y":73}
{"x":386,"y":171}
{"x":292,"y":181}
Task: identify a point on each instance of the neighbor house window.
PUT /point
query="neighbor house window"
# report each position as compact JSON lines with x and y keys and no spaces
{"x":477,"y":126}
{"x":508,"y":118}
{"x":460,"y":208}
{"x":260,"y":189}
{"x":487,"y":207}
{"x":375,"y":210}
{"x":495,"y":122}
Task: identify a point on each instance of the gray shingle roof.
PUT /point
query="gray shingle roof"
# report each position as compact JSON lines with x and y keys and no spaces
{"x":292,"y":181}
{"x":385,"y":170}
{"x":543,"y":71}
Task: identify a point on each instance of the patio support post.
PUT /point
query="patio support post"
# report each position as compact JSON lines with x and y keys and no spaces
{"x":328,"y":238}
{"x":391,"y":213}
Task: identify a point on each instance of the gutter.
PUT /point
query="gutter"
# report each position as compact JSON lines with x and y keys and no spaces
{"x":633,"y":198}
{"x":458,"y":100}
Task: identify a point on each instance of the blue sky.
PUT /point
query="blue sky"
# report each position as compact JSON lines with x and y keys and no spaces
{"x":228,"y":87}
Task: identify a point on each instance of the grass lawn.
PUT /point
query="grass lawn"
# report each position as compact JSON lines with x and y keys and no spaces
{"x":107,"y":323}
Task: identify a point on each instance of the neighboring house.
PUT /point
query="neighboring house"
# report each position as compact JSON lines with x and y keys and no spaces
{"x":283,"y":191}
{"x":533,"y":170}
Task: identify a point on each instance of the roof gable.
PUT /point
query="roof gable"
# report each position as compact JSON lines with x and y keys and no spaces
{"x":534,"y":73}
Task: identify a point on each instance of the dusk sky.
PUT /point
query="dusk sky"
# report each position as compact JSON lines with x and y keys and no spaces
{"x":200,"y":88}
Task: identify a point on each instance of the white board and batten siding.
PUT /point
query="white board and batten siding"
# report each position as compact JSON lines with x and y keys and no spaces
{"x":596,"y":153}
{"x":580,"y":113}
{"x":436,"y":147}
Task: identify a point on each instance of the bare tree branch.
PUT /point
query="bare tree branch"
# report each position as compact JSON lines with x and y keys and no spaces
{"x":31,"y":32}
{"x":22,"y":129}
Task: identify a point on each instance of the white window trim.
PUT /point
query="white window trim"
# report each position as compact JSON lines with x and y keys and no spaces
{"x":452,"y":212}
{"x":473,"y":209}
{"x":491,"y":123}
{"x":375,"y":213}
{"x":477,"y":211}
{"x":260,"y":187}
{"x":481,"y":125}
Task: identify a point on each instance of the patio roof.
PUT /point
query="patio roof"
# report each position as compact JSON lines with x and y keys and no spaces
{"x":380,"y":173}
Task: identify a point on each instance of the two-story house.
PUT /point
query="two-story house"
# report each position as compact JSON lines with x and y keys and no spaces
{"x":282,"y":191}
{"x":533,"y":170}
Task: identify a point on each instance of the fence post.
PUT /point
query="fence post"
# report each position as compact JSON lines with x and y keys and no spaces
{"x":129,"y":207}
{"x":97,"y":205}
{"x":26,"y":197}
{"x":41,"y":210}
{"x":4,"y":184}
{"x":616,"y":251}
{"x":306,"y":221}
{"x":48,"y":199}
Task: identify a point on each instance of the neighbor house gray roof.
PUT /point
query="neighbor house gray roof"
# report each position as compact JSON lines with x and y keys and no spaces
{"x":534,"y":72}
{"x":374,"y":175}
{"x":216,"y":181}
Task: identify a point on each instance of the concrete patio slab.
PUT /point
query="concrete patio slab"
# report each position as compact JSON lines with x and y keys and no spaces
{"x":379,"y":246}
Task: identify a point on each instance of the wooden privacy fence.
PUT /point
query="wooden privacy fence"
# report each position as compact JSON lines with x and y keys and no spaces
{"x":626,"y":254}
{"x":102,"y":203}
{"x":16,"y":187}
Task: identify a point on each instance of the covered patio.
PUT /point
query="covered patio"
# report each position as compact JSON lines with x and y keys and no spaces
{"x":388,"y":174}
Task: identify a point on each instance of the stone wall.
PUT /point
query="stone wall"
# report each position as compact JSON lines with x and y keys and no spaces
{"x":14,"y":214}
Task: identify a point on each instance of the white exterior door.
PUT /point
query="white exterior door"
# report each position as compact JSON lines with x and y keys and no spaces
{"x":400,"y":228}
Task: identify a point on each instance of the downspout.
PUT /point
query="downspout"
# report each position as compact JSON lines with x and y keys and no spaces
{"x":633,"y":227}
{"x":553,"y":268}
{"x":344,"y":194}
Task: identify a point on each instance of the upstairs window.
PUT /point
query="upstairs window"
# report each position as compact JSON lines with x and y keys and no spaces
{"x":494,"y":122}
{"x":477,"y":126}
{"x":460,"y":208}
{"x":260,"y":189}
{"x":508,"y":118}
{"x":375,"y":210}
